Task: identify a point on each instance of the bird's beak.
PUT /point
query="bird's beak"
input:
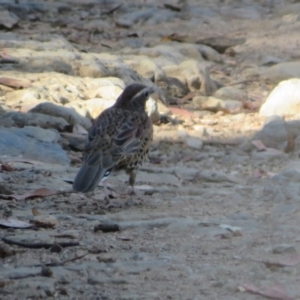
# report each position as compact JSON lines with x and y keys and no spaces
{"x":151,"y":90}
{"x":159,"y":93}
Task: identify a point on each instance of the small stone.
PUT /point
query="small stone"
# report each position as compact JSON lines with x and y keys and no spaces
{"x":284,"y":248}
{"x":46,"y":271}
{"x":230,"y":93}
{"x":56,"y":248}
{"x":194,"y":142}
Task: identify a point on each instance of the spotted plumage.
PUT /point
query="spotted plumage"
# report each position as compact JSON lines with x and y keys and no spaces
{"x":120,"y":138}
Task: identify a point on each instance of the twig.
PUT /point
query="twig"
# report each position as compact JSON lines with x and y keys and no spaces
{"x":37,"y":245}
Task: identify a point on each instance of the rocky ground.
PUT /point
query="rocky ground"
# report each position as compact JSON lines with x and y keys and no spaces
{"x":217,"y":210}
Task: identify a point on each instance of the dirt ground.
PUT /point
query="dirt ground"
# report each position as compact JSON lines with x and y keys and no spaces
{"x":215,"y":223}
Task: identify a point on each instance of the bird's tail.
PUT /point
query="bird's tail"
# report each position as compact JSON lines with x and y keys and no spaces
{"x":88,"y":177}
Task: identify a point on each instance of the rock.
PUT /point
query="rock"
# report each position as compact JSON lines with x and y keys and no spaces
{"x":149,"y":16}
{"x":20,"y":119}
{"x":39,"y":288}
{"x":291,"y":18}
{"x":162,"y":135}
{"x":194,"y":142}
{"x":215,"y":104}
{"x":75,"y":141}
{"x":230,"y":93}
{"x":273,"y":134}
{"x":283,"y":249}
{"x":288,"y":8}
{"x":6,"y":250}
{"x":43,"y":135}
{"x":8,"y":19}
{"x":92,"y":68}
{"x":197,"y":51}
{"x":218,"y":176}
{"x":221,"y":43}
{"x":267,"y":156}
{"x":290,"y":172}
{"x":96,"y":106}
{"x":282,"y":71}
{"x":193,"y":74}
{"x":4,"y":189}
{"x":108,"y":92}
{"x":246,"y":12}
{"x":284,"y":99}
{"x":70,"y":115}
{"x":145,"y":66}
{"x":270,"y":60}
{"x":16,"y":142}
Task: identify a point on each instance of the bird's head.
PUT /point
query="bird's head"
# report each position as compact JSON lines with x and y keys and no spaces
{"x":134,"y":97}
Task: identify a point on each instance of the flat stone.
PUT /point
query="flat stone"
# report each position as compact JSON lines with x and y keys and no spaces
{"x":20,"y":119}
{"x":16,"y":142}
{"x":283,"y":249}
{"x":273,"y":134}
{"x":8,"y":19}
{"x":70,"y":115}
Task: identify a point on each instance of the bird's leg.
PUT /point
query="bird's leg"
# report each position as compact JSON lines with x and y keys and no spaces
{"x":132,"y":176}
{"x":106,"y":198}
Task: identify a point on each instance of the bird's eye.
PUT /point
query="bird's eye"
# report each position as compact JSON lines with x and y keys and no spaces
{"x":146,"y":94}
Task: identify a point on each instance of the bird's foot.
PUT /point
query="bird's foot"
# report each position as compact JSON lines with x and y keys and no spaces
{"x":132,"y":192}
{"x":133,"y":199}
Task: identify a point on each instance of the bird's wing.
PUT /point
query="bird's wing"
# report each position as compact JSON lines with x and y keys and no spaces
{"x":127,"y":140}
{"x":97,"y":159}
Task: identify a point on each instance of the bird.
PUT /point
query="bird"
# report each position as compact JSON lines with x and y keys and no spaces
{"x":119,"y":139}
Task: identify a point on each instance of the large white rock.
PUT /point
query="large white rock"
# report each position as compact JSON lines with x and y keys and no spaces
{"x":283,"y":100}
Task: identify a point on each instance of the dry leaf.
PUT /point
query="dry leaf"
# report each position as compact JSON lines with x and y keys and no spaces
{"x":13,"y":223}
{"x":277,"y":291}
{"x":6,"y":167}
{"x":290,"y":147}
{"x":259,"y":145}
